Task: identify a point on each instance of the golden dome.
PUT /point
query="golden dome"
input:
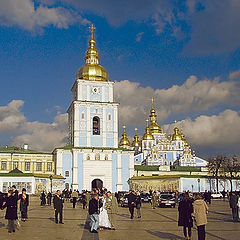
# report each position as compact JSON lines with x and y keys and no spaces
{"x":154,"y":127}
{"x":136,"y":142}
{"x":184,"y":140}
{"x":92,"y":70}
{"x":124,"y":142}
{"x":176,"y":135}
{"x":148,"y":134}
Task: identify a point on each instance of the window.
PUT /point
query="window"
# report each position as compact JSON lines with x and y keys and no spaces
{"x":66,"y":173}
{"x":106,"y":157}
{"x":97,"y":156}
{"x":15,"y":164}
{"x":96,"y":125}
{"x":109,"y":117}
{"x":27,"y":166}
{"x":4,"y":165}
{"x":49,"y":166}
{"x":88,"y":157}
{"x":39,"y":166}
{"x":82,"y":115}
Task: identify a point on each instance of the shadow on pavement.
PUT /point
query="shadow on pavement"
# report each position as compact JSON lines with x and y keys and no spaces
{"x":169,"y":236}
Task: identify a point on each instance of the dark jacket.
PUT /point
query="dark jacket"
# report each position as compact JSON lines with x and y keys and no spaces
{"x":131,"y":198}
{"x":138,"y":201}
{"x":233,"y":201}
{"x":58,"y":202}
{"x":93,"y":206}
{"x":23,"y":202}
{"x":11,"y":205}
{"x":185,"y":209}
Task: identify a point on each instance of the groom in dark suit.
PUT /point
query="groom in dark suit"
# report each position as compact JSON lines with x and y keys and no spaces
{"x":58,"y":206}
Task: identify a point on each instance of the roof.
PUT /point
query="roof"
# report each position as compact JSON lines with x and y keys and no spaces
{"x":11,"y":174}
{"x":20,"y":150}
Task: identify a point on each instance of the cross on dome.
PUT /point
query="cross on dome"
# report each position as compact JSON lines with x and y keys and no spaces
{"x":92,"y":29}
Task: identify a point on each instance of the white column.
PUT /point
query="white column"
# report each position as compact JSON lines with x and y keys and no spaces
{"x":74,"y":170}
{"x":76,"y":125}
{"x":88,"y":127}
{"x":110,"y":93}
{"x":59,"y":165}
{"x":115,"y":127}
{"x":88,"y":92}
{"x":104,"y":127}
{"x":103,"y":94}
{"x":80,"y":91}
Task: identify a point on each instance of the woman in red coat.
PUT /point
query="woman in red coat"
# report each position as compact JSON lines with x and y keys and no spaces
{"x":11,"y":212}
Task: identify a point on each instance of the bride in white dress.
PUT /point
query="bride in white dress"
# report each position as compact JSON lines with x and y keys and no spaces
{"x":103,"y":216}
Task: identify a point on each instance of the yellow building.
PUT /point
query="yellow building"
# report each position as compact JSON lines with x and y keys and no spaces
{"x":25,"y":160}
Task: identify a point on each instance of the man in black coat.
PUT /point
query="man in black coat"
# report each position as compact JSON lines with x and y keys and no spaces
{"x":15,"y":191}
{"x":131,"y":202}
{"x":233,"y":205}
{"x":58,"y":206}
{"x":93,"y":211}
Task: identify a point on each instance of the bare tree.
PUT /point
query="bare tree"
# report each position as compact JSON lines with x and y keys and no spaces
{"x":216,"y":167}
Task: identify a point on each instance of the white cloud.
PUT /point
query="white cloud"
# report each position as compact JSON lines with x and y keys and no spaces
{"x":234,"y":75}
{"x":30,"y":17}
{"x":219,"y":132}
{"x":192,"y":96}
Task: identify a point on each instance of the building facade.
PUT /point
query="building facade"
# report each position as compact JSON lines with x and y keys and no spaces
{"x":93,"y":158}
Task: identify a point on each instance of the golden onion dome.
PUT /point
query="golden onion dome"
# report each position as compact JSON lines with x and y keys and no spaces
{"x":124,"y":142}
{"x":136,"y":142}
{"x":176,"y":135}
{"x":184,"y":140}
{"x":92,"y":70}
{"x":148,"y":134}
{"x":154,"y":126}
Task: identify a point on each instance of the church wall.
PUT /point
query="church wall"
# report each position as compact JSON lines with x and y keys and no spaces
{"x":125,"y":170}
{"x":67,"y":166}
{"x":80,"y":171}
{"x":114,"y":173}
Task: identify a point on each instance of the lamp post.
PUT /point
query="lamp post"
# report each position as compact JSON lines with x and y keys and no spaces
{"x":51,"y":178}
{"x":198,"y":184}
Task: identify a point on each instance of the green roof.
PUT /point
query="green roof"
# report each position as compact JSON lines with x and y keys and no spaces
{"x":166,"y":176}
{"x":146,"y":168}
{"x":20,"y":150}
{"x":31,"y":175}
{"x":185,"y":169}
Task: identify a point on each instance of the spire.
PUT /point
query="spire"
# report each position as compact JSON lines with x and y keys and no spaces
{"x":176,"y":135}
{"x":154,"y":126}
{"x":136,"y":142}
{"x":92,"y":70}
{"x":124,"y":142}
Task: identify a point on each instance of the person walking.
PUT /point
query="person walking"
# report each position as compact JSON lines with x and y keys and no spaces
{"x":88,"y":197}
{"x":131,"y":203}
{"x":233,"y":201}
{"x":200,"y":210}
{"x":58,"y":207}
{"x":93,"y":211}
{"x":49,"y":199}
{"x":15,"y":191}
{"x":138,"y":203}
{"x":185,"y":210}
{"x":112,"y":209}
{"x":154,"y":199}
{"x":74,"y":198}
{"x":24,"y":203}
{"x":11,"y":212}
{"x":43,"y":198}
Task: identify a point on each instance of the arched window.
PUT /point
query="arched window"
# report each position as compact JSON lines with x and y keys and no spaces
{"x":96,"y":125}
{"x":82,"y":115}
{"x":97,"y":156}
{"x":88,"y":157}
{"x":109,"y":117}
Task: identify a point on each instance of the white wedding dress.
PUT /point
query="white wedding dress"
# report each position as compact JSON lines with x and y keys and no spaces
{"x":103,"y":217}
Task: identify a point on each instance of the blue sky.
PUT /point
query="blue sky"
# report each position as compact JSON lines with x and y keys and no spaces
{"x":153,"y":45}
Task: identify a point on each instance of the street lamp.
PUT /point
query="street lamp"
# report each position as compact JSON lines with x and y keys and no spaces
{"x":198,"y":184}
{"x":51,"y":178}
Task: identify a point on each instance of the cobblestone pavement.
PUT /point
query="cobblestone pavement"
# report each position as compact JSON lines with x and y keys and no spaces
{"x":159,"y":223}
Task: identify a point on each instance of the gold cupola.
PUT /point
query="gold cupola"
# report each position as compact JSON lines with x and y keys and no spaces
{"x":124,"y":142}
{"x":92,"y":70}
{"x":154,"y":127}
{"x":184,"y":139}
{"x":148,"y":134}
{"x":136,"y":142}
{"x":176,"y":135}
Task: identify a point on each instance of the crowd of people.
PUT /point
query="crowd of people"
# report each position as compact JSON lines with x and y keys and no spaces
{"x":102,"y":207}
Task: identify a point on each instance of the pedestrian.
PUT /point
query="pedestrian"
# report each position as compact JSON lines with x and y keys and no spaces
{"x":200,"y":210}
{"x":88,"y":196}
{"x":131,"y":203}
{"x":24,"y":203}
{"x":43,"y":198}
{"x":49,"y":198}
{"x":84,"y":200}
{"x":11,"y":212}
{"x":233,"y":201}
{"x":112,"y":209}
{"x":74,"y":198}
{"x":58,"y":207}
{"x":154,"y":199}
{"x":185,"y":209}
{"x":224,"y":194}
{"x":93,"y":211}
{"x":138,"y":203}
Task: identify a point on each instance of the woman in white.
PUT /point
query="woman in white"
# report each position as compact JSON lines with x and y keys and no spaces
{"x":103,"y":216}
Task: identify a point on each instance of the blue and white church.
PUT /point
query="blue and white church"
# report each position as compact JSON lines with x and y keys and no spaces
{"x":93,"y":158}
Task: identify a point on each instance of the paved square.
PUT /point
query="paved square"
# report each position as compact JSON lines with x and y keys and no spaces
{"x":160,"y":223}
